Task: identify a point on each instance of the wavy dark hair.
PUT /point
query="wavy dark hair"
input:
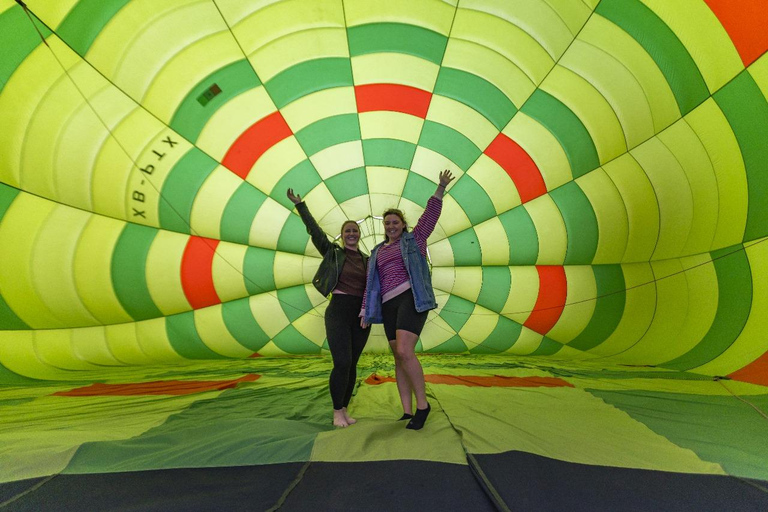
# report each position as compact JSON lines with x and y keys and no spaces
{"x":395,"y":211}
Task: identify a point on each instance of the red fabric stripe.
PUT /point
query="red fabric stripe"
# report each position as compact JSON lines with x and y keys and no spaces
{"x":254,"y":142}
{"x":197,"y":272}
{"x":485,"y":381}
{"x":393,"y":97}
{"x":549,"y":306}
{"x":168,"y":387}
{"x":519,"y":166}
{"x":755,"y":372}
{"x":746,"y":22}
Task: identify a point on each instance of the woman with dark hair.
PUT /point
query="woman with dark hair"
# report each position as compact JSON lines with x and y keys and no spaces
{"x":399,"y":294}
{"x":342,"y":275}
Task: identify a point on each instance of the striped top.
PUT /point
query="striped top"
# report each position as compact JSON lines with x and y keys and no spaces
{"x":389,"y":261}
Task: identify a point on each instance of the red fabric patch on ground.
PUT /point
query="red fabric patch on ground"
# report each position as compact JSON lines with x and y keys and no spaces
{"x":167,"y":387}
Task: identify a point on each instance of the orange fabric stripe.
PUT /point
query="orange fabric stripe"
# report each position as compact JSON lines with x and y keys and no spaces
{"x":519,"y":166}
{"x":254,"y":142}
{"x":197,"y":272}
{"x":553,"y":289}
{"x":486,"y":381}
{"x":393,"y":97}
{"x":746,"y":22}
{"x":755,"y":372}
{"x":168,"y":387}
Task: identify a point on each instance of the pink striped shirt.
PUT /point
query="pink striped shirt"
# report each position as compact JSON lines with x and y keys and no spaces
{"x":389,"y":261}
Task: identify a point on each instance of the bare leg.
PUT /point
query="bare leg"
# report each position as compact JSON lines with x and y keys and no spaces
{"x":403,"y":383}
{"x":405,"y":346}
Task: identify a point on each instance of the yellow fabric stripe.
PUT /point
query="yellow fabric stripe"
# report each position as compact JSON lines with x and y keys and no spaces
{"x":54,"y":347}
{"x":288,"y":270}
{"x":427,"y":162}
{"x":298,"y":47}
{"x":19,"y":356}
{"x":437,"y":331}
{"x":268,"y":313}
{"x":163,"y":272}
{"x":319,"y":105}
{"x":275,"y":163}
{"x":214,"y":333}
{"x":528,"y":342}
{"x":468,"y":282}
{"x":441,"y":254}
{"x":547,"y":219}
{"x":338,"y":158}
{"x":612,"y":220}
{"x":478,"y":326}
{"x":227,"y":270}
{"x":494,"y":245}
{"x":92,"y":269}
{"x":496,"y":183}
{"x":523,"y":292}
{"x":759,"y":72}
{"x":580,"y":303}
{"x":591,"y":108}
{"x":211,"y":201}
{"x":52,"y":261}
{"x":232,"y":119}
{"x":390,"y":125}
{"x":267,"y":224}
{"x":19,"y":230}
{"x":122,"y":342}
{"x":53,"y":13}
{"x":434,"y":15}
{"x":656,"y":91}
{"x":90,"y":344}
{"x":716,"y":134}
{"x":703,"y":36}
{"x":518,"y":46}
{"x":213,"y":48}
{"x":463,"y":119}
{"x":394,"y":68}
{"x":153,"y":341}
{"x":542,"y":146}
{"x":639,"y":200}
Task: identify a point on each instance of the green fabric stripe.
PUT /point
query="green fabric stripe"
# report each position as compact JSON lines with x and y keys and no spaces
{"x":185,"y":339}
{"x":504,"y":335}
{"x":476,"y":92}
{"x":734,"y":280}
{"x":466,"y":248}
{"x":233,"y":79}
{"x":567,"y":128}
{"x":293,"y":237}
{"x":8,"y":319}
{"x":495,"y":289}
{"x":746,"y":109}
{"x":129,"y":276}
{"x":397,"y":38}
{"x":85,"y":21}
{"x":292,"y":341}
{"x":7,"y":196}
{"x":473,"y":200}
{"x":180,"y":189}
{"x":241,"y":324}
{"x":522,"y":236}
{"x":258,"y":270}
{"x":388,"y":153}
{"x":580,"y":223}
{"x":455,"y":345}
{"x":609,"y":307}
{"x":18,"y":39}
{"x":9,"y":378}
{"x":294,"y":301}
{"x":456,"y":312}
{"x":418,"y":188}
{"x":239,"y":213}
{"x":328,"y":132}
{"x":252,"y":424}
{"x":348,"y":184}
{"x":548,"y":347}
{"x":663,"y":46}
{"x":719,"y":429}
{"x":308,"y":77}
{"x":302,"y":177}
{"x":449,"y":143}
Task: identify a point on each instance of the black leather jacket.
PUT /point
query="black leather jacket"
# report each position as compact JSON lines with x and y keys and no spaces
{"x":327,"y":276}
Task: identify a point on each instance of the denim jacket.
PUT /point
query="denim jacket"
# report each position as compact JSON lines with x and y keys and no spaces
{"x":418,"y":276}
{"x":327,"y":276}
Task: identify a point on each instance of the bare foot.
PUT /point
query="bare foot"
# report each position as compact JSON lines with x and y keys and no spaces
{"x":350,"y":419}
{"x":339,"y":419}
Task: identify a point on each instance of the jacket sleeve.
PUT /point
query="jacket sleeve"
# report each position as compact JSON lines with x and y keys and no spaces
{"x":318,"y":236}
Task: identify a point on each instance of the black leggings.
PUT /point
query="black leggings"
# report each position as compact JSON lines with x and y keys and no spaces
{"x":346,"y":339}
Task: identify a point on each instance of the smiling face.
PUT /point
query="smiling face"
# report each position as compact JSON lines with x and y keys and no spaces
{"x":350,"y":233}
{"x":393,"y":227}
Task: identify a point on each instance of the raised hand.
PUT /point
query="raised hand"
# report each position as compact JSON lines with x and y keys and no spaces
{"x":295,"y":198}
{"x":445,"y":178}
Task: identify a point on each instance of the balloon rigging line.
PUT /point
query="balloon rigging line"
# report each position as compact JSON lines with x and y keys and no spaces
{"x":759,"y":411}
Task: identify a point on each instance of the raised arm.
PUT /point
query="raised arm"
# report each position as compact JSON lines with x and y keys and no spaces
{"x":428,"y":219}
{"x":318,"y":236}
